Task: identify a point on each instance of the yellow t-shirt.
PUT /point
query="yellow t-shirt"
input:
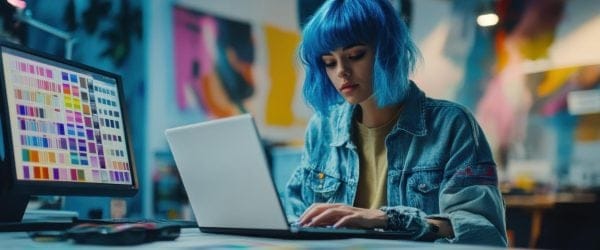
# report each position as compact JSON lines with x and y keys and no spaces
{"x":372,"y":181}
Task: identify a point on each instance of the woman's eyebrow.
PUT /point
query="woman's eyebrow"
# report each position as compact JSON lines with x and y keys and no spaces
{"x":347,"y":47}
{"x":353,"y":45}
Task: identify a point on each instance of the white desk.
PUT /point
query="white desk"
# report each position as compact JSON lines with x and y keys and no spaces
{"x":194,"y":239}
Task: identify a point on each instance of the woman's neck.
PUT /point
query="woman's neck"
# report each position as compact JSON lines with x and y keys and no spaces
{"x":373,"y":116}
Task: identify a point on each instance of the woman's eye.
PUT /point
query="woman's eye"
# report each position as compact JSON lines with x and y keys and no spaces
{"x":329,"y":64}
{"x":356,"y":56}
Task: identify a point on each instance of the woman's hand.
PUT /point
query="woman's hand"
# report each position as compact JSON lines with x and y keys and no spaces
{"x":341,"y":215}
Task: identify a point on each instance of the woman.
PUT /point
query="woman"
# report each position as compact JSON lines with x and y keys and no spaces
{"x":378,"y":153}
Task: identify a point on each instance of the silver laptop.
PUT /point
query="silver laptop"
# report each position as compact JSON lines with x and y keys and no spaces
{"x":226,"y":176}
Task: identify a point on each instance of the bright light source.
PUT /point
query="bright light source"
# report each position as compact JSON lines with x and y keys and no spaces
{"x":488,"y":19}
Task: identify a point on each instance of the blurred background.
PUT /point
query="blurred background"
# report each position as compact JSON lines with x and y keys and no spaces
{"x":528,"y":69}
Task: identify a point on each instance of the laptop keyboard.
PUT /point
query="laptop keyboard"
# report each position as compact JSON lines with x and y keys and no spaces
{"x":297,"y":228}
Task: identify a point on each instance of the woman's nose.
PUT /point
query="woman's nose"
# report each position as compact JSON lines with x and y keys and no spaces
{"x":343,"y":70}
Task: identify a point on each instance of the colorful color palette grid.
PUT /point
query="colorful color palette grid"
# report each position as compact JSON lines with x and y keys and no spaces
{"x":69,"y":125}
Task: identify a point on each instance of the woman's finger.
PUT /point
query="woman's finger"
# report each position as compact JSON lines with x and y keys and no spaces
{"x":330,"y":216}
{"x":314,"y":210}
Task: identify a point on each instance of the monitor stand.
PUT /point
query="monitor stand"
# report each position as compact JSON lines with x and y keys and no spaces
{"x":13,"y":208}
{"x":14,"y":216}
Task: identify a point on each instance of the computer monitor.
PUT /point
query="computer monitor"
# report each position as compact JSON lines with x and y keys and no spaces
{"x":63,"y":131}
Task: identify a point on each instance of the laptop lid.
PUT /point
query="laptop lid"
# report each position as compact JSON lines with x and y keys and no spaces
{"x":226,"y":175}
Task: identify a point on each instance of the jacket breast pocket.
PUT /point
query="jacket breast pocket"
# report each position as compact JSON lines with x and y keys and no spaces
{"x":323,"y":187}
{"x":423,"y":190}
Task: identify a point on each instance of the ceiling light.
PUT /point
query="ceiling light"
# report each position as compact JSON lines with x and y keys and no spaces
{"x":487,"y":19}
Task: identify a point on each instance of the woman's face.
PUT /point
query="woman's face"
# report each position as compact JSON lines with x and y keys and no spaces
{"x":350,"y":69}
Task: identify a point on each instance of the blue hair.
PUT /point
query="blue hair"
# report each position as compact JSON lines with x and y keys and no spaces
{"x":339,"y":23}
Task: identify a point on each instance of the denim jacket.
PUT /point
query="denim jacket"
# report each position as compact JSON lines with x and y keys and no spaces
{"x":439,"y":162}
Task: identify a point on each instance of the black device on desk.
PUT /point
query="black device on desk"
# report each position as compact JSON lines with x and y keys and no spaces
{"x":63,"y":132}
{"x":112,"y":234}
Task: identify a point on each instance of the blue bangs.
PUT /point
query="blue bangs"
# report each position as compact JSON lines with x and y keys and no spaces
{"x":342,"y":24}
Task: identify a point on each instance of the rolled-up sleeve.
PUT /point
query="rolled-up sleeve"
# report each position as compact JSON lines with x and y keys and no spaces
{"x":475,"y":214}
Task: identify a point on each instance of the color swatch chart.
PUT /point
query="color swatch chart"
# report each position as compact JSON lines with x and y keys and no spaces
{"x":69,"y":125}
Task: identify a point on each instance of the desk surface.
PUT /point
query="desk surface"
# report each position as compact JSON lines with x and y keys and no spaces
{"x":547,"y":200}
{"x":193,"y":238}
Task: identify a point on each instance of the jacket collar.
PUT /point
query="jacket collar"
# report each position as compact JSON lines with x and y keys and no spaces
{"x":411,"y":120}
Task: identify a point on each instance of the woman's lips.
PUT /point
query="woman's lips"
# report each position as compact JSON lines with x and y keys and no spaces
{"x":348,"y":87}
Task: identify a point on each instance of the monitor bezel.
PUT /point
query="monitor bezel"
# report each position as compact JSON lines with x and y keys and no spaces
{"x":8,"y":175}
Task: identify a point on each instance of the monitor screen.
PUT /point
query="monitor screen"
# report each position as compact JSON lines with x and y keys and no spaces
{"x":64,"y":127}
